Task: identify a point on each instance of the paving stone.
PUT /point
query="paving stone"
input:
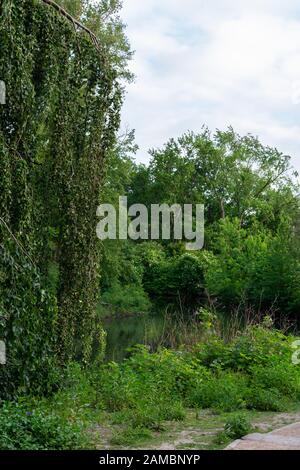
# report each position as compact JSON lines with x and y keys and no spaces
{"x":287,"y":438}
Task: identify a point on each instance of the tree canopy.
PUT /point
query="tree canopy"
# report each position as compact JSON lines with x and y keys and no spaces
{"x":59,"y":122}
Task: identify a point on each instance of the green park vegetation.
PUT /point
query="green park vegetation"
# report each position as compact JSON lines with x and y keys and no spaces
{"x":60,"y":156}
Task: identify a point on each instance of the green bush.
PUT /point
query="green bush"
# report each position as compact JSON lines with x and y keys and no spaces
{"x":177,"y":281}
{"x":147,"y":389}
{"x":21,"y":429}
{"x":172,"y":372}
{"x":257,"y":345}
{"x":237,"y":426}
{"x":76,"y":399}
{"x":263,"y":399}
{"x":279,"y":376}
{"x":127,"y":299}
{"x":252,"y":371}
{"x":150,"y":414}
{"x":213,"y":352}
{"x":225,"y":392}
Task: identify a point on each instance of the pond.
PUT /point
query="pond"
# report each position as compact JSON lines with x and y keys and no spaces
{"x":153,"y":330}
{"x":167,"y":330}
{"x":125,"y":332}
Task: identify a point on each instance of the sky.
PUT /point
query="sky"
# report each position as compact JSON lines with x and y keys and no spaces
{"x":216,"y":63}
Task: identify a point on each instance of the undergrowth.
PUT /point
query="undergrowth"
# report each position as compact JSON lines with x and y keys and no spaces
{"x":253,"y":371}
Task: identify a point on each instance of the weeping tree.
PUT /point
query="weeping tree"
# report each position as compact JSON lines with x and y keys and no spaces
{"x":63,"y":99}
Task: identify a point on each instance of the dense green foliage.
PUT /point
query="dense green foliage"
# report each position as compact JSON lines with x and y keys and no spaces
{"x":62,"y":111}
{"x":214,"y":374}
{"x":253,"y":371}
{"x":59,"y":158}
{"x":25,"y":430}
{"x":236,"y":427}
{"x":251,"y":253}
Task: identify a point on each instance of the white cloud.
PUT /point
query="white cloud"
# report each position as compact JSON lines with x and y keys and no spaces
{"x":217,"y":62}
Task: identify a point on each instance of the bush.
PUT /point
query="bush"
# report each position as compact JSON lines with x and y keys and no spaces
{"x":225,"y":392}
{"x":177,"y":281}
{"x":213,"y":352}
{"x":255,"y":346}
{"x":280,"y":377}
{"x":129,"y":299}
{"x":147,"y":389}
{"x":168,"y":372}
{"x":259,"y":346}
{"x":21,"y":429}
{"x":76,"y":399}
{"x":151,"y":414}
{"x":262,"y":399}
{"x":252,"y":371}
{"x":237,"y":426}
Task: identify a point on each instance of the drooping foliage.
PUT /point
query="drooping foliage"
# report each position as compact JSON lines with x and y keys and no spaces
{"x":62,"y":110}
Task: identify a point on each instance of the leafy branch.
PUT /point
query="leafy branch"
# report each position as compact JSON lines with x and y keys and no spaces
{"x":75,"y":22}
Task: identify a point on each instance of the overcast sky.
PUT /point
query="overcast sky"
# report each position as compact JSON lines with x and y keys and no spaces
{"x":214,"y":62}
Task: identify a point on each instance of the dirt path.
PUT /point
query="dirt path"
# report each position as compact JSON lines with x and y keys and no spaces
{"x":200,"y":438}
{"x":198,"y":431}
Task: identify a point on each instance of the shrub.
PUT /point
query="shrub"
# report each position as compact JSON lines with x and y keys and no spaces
{"x":213,"y":352}
{"x":279,"y":376}
{"x":252,"y":371}
{"x":177,"y":281}
{"x":255,"y":346}
{"x":237,"y":426}
{"x":151,"y":414}
{"x":147,"y":389}
{"x":266,"y":400}
{"x":259,"y":346}
{"x":76,"y":398}
{"x":114,"y":387}
{"x":225,"y":392}
{"x":126,"y":299}
{"x":173,"y":373}
{"x":21,"y":429}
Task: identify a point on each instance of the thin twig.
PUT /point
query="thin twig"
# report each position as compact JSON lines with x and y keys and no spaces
{"x":16,"y":241}
{"x":73,"y":20}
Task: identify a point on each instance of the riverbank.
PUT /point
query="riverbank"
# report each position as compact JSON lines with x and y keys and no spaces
{"x":155,"y":330}
{"x":205,"y":395}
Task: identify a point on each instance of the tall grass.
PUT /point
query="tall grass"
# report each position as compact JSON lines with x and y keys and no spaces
{"x":176,"y":329}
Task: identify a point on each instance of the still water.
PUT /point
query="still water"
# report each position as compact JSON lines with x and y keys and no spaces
{"x":152,"y":330}
{"x":160,"y":329}
{"x":124,"y":333}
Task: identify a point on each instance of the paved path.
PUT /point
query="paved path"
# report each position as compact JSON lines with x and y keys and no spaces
{"x":287,"y":438}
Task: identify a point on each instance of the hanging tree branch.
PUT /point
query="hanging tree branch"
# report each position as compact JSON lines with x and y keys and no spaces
{"x":2,"y":221}
{"x":75,"y":22}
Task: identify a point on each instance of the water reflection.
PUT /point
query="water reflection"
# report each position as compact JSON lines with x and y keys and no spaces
{"x":161,"y":329}
{"x":124,"y":333}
